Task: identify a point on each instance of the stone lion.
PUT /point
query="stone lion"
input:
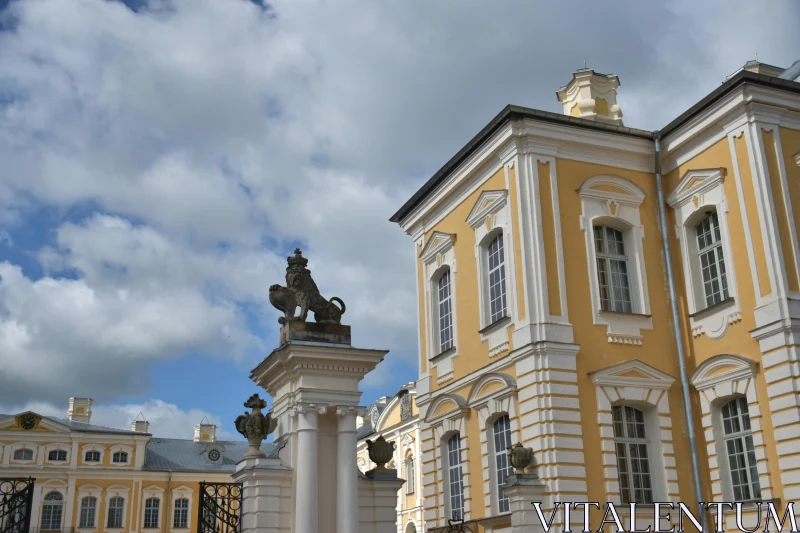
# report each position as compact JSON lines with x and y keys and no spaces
{"x":302,"y":292}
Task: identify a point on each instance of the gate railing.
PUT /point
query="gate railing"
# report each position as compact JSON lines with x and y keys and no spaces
{"x":220,"y":505}
{"x":16,"y":502}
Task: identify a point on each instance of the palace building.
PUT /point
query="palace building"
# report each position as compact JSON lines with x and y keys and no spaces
{"x":91,"y":478}
{"x":559,"y":310}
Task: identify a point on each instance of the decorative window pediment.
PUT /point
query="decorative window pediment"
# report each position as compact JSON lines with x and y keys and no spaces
{"x":694,"y":184}
{"x":612,"y":189}
{"x":446,"y":406}
{"x":492,"y":385}
{"x":437,"y":244}
{"x":633,"y":374}
{"x":721,"y":369}
{"x":488,"y":205}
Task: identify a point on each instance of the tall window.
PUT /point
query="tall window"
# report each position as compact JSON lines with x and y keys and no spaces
{"x":52,"y":510}
{"x":712,"y":263}
{"x":57,"y":455}
{"x":23,"y":454}
{"x":455,"y":478}
{"x":116,"y":506}
{"x":633,"y":463}
{"x":120,"y":457}
{"x":497,"y":280}
{"x":612,"y":270}
{"x":180,"y":519}
{"x":502,"y":440}
{"x":151,"y":506}
{"x":445,"y":312}
{"x":740,"y":450}
{"x":88,"y":511}
{"x":92,"y":456}
{"x":410,"y":476}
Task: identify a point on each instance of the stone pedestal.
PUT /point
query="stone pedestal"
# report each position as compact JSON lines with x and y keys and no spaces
{"x":522,"y":490}
{"x":266,"y":495}
{"x":377,"y":503}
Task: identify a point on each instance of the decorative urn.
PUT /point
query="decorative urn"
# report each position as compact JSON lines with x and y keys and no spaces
{"x":520,"y":457}
{"x":255,"y":426}
{"x":380,"y":452}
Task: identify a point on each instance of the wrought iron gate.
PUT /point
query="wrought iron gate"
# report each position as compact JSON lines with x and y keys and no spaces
{"x":16,"y":502}
{"x":220,"y":504}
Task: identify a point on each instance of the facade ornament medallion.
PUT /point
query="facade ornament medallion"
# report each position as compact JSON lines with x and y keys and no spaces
{"x":302,"y":292}
{"x":405,"y":406}
{"x":520,"y":457}
{"x":255,"y":426}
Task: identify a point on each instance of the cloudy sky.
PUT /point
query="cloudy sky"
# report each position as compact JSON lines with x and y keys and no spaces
{"x":160,"y":158}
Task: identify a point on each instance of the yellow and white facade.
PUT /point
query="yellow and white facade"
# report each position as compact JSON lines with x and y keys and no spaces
{"x":397,"y":420}
{"x":544,"y":310}
{"x":91,"y":478}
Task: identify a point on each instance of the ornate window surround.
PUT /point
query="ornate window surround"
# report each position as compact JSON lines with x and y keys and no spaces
{"x":86,"y":491}
{"x":614,"y":201}
{"x":491,"y":396}
{"x":639,"y":385}
{"x":156,"y":492}
{"x":10,"y":449}
{"x":120,"y":448}
{"x":186,"y":493}
{"x":117,"y":491}
{"x":93,"y":448}
{"x":437,"y":255}
{"x":53,"y":446}
{"x":489,"y":217}
{"x":697,"y":192}
{"x":719,"y":380}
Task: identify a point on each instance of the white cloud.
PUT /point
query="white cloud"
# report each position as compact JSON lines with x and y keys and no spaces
{"x":166,"y":420}
{"x":203,"y":135}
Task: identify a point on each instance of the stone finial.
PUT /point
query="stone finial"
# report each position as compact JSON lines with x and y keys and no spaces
{"x":380,"y":452}
{"x":520,"y":457}
{"x":255,"y":426}
{"x":302,"y":292}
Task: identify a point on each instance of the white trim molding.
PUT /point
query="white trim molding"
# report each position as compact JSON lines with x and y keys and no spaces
{"x":638,"y":385}
{"x":615,"y":202}
{"x":92,"y":447}
{"x":185,"y":493}
{"x":57,"y":446}
{"x":698,"y":192}
{"x":89,"y":491}
{"x":438,"y":255}
{"x":444,"y":426}
{"x":490,"y":217}
{"x":117,"y":491}
{"x":120,"y":448}
{"x":12,"y":448}
{"x":153,"y":491}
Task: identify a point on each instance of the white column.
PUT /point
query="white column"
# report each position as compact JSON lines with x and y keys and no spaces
{"x":69,"y":504}
{"x":346,"y":472}
{"x":306,"y":500}
{"x":36,"y":504}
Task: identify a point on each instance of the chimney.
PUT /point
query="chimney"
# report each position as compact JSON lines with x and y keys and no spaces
{"x":591,"y":95}
{"x":140,"y":426}
{"x":205,"y":431}
{"x":80,"y":410}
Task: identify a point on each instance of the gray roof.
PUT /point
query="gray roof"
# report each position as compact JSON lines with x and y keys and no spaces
{"x":81,"y":426}
{"x":365,"y":431}
{"x":184,"y":454}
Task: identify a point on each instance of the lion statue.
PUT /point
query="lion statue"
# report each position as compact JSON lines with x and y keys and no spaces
{"x":302,"y":292}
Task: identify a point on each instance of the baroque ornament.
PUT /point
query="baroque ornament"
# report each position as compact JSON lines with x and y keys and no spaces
{"x":255,"y":426}
{"x":380,"y":452}
{"x":302,"y":292}
{"x":520,"y":457}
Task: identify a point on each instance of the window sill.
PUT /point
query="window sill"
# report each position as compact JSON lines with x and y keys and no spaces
{"x":442,"y":355}
{"x":496,"y":324}
{"x":622,"y":313}
{"x":712,"y":308}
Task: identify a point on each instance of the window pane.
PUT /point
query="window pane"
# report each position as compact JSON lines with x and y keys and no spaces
{"x":445,"y":313}
{"x":181,"y":519}
{"x":712,"y":263}
{"x":497,"y":280}
{"x":88,"y":511}
{"x":633,"y":462}
{"x":455,"y":477}
{"x":613,"y":279}
{"x":503,"y":469}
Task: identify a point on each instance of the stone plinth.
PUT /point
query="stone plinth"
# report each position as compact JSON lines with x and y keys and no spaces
{"x":296,"y":330}
{"x":377,"y":503}
{"x":266,"y":495}
{"x":522,"y":490}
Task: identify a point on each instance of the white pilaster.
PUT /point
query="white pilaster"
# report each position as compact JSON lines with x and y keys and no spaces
{"x":69,"y":503}
{"x":306,"y":492}
{"x":347,"y":472}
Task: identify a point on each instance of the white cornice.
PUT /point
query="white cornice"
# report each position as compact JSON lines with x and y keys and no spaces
{"x":438,"y":243}
{"x":685,"y":191}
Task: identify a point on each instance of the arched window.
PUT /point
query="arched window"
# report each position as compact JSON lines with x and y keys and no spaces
{"x":612,"y":270}
{"x":116,"y":508}
{"x":497,"y":279}
{"x":445,"y":311}
{"x":633,"y":459}
{"x":92,"y":456}
{"x":151,"y":507}
{"x":712,"y":262}
{"x":739,"y":448}
{"x":57,"y":455}
{"x":88,"y":512}
{"x":410,"y":475}
{"x":23,"y":454}
{"x":455,"y":477}
{"x":501,"y":433}
{"x":120,"y":457}
{"x":180,"y":518}
{"x":52,"y":509}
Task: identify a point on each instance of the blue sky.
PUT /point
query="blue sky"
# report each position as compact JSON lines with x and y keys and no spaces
{"x":161,"y":159}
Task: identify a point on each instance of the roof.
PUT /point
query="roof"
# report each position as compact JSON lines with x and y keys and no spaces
{"x":81,"y":426}
{"x":513,"y":113}
{"x":187,"y":455}
{"x":365,"y":431}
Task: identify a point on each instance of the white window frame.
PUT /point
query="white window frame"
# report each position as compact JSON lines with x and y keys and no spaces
{"x":156,"y":493}
{"x":719,"y":260}
{"x":117,"y":492}
{"x":81,"y":501}
{"x":117,"y":449}
{"x":609,"y":257}
{"x":437,"y":255}
{"x":743,"y":435}
{"x":447,"y":416}
{"x":410,"y":471}
{"x":449,"y":468}
{"x":152,"y":513}
{"x":92,"y":448}
{"x":698,"y":192}
{"x":23,"y":448}
{"x":496,"y":455}
{"x":615,"y":202}
{"x":437,"y":312}
{"x":44,"y":503}
{"x":90,"y":491}
{"x":491,"y":216}
{"x":182,"y":493}
{"x":57,"y":446}
{"x":628,"y":441}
